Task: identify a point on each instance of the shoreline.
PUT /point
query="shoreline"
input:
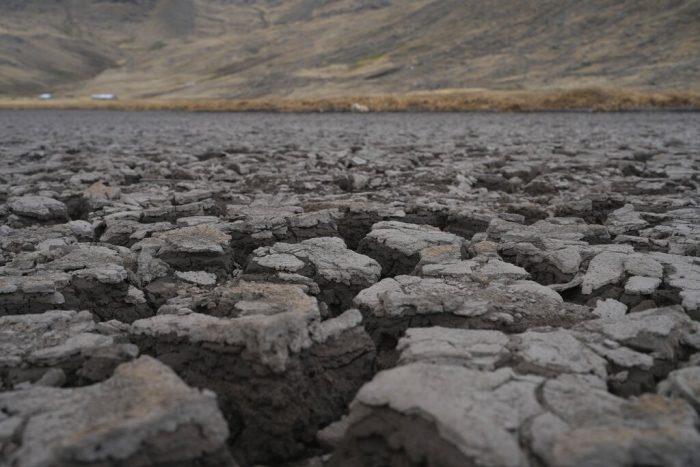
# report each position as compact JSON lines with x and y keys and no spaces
{"x":568,"y":100}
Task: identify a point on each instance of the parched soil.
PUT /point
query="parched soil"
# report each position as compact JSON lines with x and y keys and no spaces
{"x":349,"y":289}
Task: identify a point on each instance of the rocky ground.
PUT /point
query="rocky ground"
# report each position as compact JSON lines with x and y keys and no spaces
{"x":349,"y":290}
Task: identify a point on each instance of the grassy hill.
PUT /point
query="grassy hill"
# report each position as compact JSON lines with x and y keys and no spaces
{"x":148,"y":49}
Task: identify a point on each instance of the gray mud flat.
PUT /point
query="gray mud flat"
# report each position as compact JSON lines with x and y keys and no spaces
{"x":349,"y":290}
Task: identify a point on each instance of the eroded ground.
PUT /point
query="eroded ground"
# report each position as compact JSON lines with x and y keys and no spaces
{"x":349,"y":290}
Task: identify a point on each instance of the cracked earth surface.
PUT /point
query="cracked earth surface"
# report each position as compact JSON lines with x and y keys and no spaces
{"x":349,"y":290}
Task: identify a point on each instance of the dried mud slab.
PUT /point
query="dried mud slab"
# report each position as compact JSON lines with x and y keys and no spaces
{"x":60,"y":348}
{"x":79,"y":277}
{"x":395,"y":304}
{"x":201,"y":247}
{"x":325,"y":263}
{"x":143,"y":415}
{"x":627,"y":355}
{"x":683,"y":383}
{"x":397,"y":245}
{"x":254,"y":226}
{"x":241,"y":298}
{"x":280,"y":373}
{"x":27,"y":210}
{"x":434,"y":414}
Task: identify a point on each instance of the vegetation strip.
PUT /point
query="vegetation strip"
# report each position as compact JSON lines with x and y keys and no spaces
{"x":606,"y":100}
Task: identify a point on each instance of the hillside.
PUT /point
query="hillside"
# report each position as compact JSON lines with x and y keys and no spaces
{"x":319,"y":48}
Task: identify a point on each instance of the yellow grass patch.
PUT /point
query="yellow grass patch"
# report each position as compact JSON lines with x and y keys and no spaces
{"x":597,"y":99}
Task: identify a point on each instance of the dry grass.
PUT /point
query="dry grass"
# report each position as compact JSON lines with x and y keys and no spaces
{"x":438,"y":101}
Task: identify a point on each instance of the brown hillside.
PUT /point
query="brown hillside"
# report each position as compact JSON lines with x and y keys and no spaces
{"x":301,"y":48}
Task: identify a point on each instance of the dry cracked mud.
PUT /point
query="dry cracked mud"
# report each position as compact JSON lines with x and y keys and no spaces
{"x":349,"y":290}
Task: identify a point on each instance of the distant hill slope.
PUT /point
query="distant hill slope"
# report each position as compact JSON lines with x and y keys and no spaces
{"x":300,"y":48}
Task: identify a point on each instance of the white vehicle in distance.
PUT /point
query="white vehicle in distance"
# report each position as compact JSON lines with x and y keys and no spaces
{"x":104,"y":97}
{"x":47,"y":96}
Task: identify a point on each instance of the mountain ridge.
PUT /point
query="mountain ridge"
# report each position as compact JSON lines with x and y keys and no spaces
{"x":245,"y":49}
